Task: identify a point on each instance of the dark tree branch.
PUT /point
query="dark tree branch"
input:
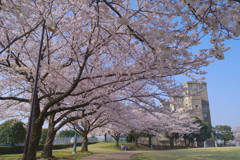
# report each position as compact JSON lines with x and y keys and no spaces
{"x":17,"y":38}
{"x":15,"y":99}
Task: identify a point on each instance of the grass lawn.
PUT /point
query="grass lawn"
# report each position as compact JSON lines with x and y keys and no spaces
{"x":101,"y":147}
{"x":61,"y":153}
{"x":219,"y":153}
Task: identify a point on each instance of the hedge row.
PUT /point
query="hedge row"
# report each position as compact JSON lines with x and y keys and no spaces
{"x":20,"y":149}
{"x":11,"y":150}
{"x":168,"y":147}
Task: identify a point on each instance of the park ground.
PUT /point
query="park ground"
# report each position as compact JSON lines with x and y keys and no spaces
{"x":107,"y":151}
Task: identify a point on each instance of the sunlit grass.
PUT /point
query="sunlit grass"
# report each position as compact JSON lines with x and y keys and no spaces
{"x":107,"y":147}
{"x":219,"y":153}
{"x":101,"y":147}
{"x":61,"y":153}
{"x":10,"y":156}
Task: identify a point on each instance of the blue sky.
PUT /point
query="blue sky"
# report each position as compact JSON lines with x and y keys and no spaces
{"x":223,"y":80}
{"x":223,"y":86}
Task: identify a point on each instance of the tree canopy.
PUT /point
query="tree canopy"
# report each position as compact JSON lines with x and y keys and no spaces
{"x":67,"y":133}
{"x":205,"y":132}
{"x":105,"y":51}
{"x":224,"y":133}
{"x":12,"y":132}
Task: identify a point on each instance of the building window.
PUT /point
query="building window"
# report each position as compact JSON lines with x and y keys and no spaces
{"x":205,"y":115}
{"x":196,"y":107}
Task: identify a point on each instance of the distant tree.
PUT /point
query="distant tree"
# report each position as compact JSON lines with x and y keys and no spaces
{"x":43,"y":136}
{"x":129,"y":138}
{"x":189,"y":138}
{"x":224,"y":133}
{"x":89,"y":123}
{"x":203,"y":134}
{"x":205,"y":131}
{"x":172,"y":137}
{"x":67,"y":133}
{"x":116,"y":131}
{"x":12,"y":132}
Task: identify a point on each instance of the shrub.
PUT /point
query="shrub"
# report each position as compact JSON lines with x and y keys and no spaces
{"x":12,"y":132}
{"x":11,"y":149}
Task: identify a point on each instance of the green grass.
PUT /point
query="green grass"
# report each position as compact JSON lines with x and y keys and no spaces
{"x":101,"y":147}
{"x":61,"y":153}
{"x":219,"y":153}
{"x":107,"y":147}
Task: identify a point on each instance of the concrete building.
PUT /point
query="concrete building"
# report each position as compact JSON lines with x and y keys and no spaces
{"x":194,"y":101}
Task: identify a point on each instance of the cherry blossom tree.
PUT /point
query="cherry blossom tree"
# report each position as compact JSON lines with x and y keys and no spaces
{"x":236,"y":133}
{"x":125,"y":120}
{"x":179,"y":124}
{"x":99,"y":51}
{"x":116,"y":130}
{"x":138,"y":120}
{"x":90,"y":122}
{"x":55,"y":123}
{"x":170,"y":124}
{"x":116,"y":126}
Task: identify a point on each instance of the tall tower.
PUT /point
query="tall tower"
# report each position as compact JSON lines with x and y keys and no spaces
{"x":195,"y":101}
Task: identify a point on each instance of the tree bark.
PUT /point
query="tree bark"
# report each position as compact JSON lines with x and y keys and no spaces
{"x":171,"y":141}
{"x":84,"y":143}
{"x":150,"y":141}
{"x":116,"y":136}
{"x":35,"y":138}
{"x":47,"y":149}
{"x":117,"y":141}
{"x":105,"y":137}
{"x":135,"y":140}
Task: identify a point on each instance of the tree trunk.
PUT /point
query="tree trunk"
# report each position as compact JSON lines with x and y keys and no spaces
{"x":131,"y":139}
{"x":150,"y":141}
{"x":117,"y":141}
{"x":34,"y":140}
{"x":116,"y":136}
{"x":171,"y":141}
{"x":105,"y":137}
{"x":47,"y":149}
{"x":135,"y":140}
{"x":84,"y":143}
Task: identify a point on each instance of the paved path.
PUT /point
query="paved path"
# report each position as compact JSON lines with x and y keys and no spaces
{"x":113,"y":156}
